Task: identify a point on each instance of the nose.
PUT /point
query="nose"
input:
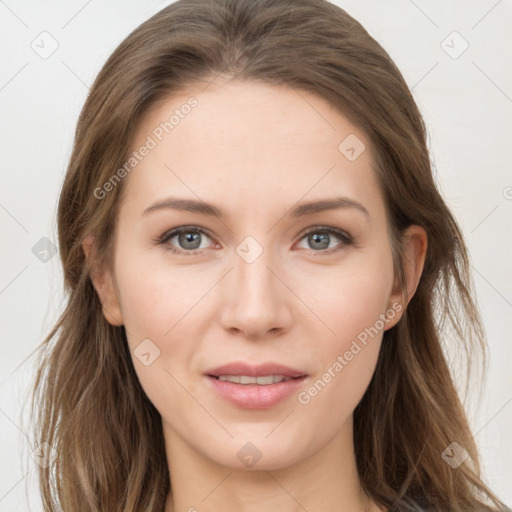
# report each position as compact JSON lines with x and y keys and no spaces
{"x":256,"y":300}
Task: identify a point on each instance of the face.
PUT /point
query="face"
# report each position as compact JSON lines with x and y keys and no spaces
{"x":266,"y":279}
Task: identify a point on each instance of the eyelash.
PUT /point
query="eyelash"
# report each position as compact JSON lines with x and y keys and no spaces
{"x":346,"y":239}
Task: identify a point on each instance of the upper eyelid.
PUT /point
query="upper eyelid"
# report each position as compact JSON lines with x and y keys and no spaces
{"x":176,"y":231}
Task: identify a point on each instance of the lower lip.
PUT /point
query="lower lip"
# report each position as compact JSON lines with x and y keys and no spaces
{"x":254,"y":396}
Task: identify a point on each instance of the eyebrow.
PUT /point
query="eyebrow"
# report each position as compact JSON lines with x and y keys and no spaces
{"x":301,"y":210}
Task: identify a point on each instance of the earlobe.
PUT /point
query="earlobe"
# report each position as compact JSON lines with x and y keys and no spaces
{"x":414,"y":249}
{"x":103,"y":283}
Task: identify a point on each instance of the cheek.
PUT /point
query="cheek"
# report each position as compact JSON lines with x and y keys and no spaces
{"x":162,"y":343}
{"x":333,"y":395}
{"x":156,"y":300}
{"x":354,"y":307}
{"x":160,"y":306}
{"x":346,"y":361}
{"x":352,"y":298}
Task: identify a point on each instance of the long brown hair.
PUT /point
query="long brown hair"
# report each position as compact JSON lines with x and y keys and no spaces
{"x":90,"y":406}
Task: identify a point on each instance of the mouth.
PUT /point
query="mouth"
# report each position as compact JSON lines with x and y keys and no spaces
{"x":255,"y":387}
{"x":264,"y":380}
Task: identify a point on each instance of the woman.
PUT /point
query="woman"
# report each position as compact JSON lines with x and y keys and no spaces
{"x":259,"y":265}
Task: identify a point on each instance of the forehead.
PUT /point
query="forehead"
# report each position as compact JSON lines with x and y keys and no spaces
{"x":245,"y":142}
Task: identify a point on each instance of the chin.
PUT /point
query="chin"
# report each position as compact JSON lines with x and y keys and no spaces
{"x":255,"y":453}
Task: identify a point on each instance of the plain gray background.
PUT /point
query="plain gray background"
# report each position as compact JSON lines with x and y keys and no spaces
{"x":456,"y":58}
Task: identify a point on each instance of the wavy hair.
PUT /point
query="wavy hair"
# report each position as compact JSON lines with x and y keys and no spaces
{"x":87,"y":400}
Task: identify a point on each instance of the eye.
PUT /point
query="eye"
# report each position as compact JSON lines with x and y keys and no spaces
{"x":188,"y":239}
{"x":321,"y":236}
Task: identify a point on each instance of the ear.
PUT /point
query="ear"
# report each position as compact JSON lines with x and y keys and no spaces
{"x":415,"y":243}
{"x":103,"y":282}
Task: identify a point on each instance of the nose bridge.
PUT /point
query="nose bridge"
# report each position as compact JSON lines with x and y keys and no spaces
{"x":254,"y":280}
{"x":253,"y":275}
{"x":256,"y":301}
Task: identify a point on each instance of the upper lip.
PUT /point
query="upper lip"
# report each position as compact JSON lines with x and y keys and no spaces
{"x":241,"y":368}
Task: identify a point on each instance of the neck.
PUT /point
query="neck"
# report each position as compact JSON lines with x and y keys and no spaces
{"x":326,"y":480}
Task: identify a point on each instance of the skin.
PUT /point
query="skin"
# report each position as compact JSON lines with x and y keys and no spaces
{"x":255,"y":150}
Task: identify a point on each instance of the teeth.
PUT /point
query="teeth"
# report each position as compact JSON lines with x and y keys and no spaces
{"x":245,"y":379}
